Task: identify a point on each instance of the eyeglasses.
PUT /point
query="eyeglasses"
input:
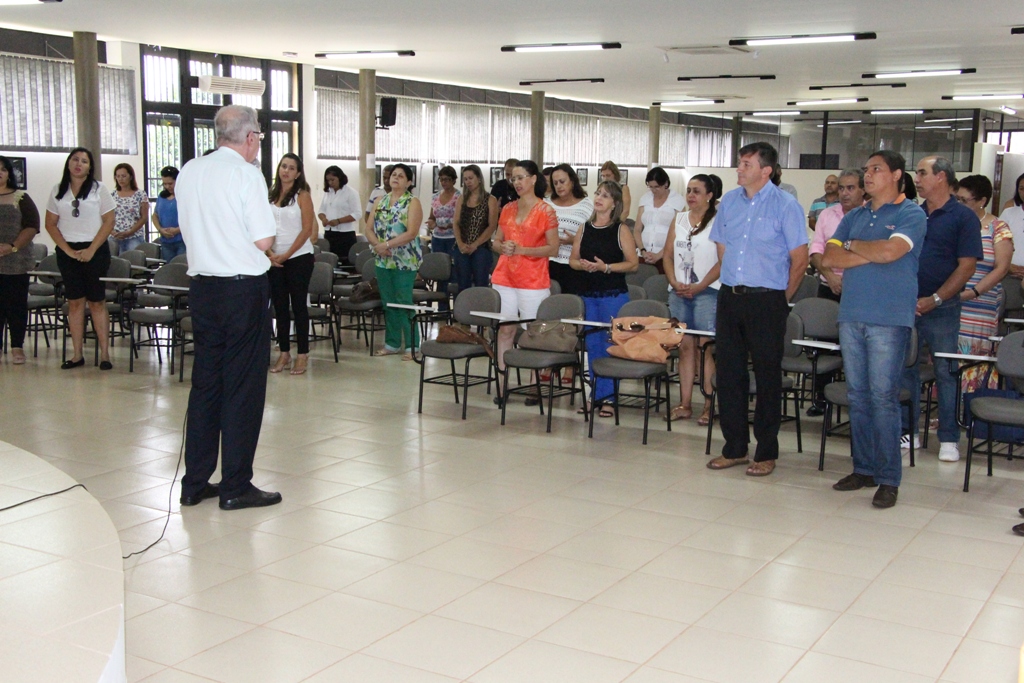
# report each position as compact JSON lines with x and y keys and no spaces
{"x":965,"y":200}
{"x":259,"y":133}
{"x":74,"y":208}
{"x":517,"y":178}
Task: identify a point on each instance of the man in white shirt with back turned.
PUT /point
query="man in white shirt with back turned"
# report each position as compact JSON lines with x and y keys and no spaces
{"x":227,"y":225}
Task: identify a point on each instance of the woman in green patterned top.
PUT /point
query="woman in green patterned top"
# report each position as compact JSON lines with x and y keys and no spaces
{"x":395,"y":238}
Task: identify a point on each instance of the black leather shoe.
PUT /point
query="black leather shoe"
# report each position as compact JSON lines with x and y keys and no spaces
{"x":817,"y":409}
{"x":69,"y":364}
{"x":209,"y":491}
{"x":1019,"y":529}
{"x":106,"y":365}
{"x":885,"y":496}
{"x":253,"y":498}
{"x":853,"y":482}
{"x":1021,"y":512}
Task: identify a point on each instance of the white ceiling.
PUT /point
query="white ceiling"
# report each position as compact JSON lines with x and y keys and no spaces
{"x":458,"y":41}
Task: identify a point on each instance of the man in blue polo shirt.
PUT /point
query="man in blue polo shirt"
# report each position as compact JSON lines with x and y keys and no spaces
{"x":762,"y":246}
{"x":951,"y":251}
{"x":878,"y":247}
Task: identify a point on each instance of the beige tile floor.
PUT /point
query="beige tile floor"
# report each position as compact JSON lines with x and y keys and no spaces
{"x":424,"y":549}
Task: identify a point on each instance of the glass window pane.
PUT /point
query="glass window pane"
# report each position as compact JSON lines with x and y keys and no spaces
{"x":161,"y":80}
{"x":204,"y":136}
{"x":246,"y":70}
{"x":163,"y":148}
{"x":282,"y":88}
{"x":282,"y":133}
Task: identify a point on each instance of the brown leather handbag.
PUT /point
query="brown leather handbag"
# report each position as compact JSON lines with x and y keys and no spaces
{"x":645,"y":338}
{"x":549,"y":335}
{"x":456,"y":334}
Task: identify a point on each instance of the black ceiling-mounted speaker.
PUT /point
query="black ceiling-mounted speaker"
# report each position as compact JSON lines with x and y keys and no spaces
{"x":388,"y":112}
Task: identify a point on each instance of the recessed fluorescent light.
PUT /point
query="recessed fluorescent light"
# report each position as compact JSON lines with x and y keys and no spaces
{"x":25,"y":2}
{"x":896,"y":112}
{"x":839,"y":123}
{"x":789,"y":112}
{"x":808,"y":103}
{"x":963,"y":98}
{"x":365,"y":53}
{"x":932,"y":127}
{"x":920,"y":73}
{"x":561,"y":47}
{"x":761,"y":77}
{"x":1008,"y":110}
{"x":858,"y":85}
{"x":803,"y":40}
{"x":687,"y":103}
{"x":563,"y":80}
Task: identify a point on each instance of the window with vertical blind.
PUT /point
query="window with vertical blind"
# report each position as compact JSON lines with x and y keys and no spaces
{"x":38,"y":106}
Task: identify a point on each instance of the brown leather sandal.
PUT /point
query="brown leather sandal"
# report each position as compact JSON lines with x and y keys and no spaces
{"x":724,"y":463}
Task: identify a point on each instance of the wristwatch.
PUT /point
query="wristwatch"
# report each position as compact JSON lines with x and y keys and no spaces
{"x":937,"y":299}
{"x":847,"y":244}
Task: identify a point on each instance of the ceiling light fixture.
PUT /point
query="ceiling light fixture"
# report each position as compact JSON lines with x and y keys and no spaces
{"x":1017,"y":30}
{"x":962,"y":118}
{"x":803,"y":40}
{"x":932,"y":127}
{"x":25,"y":2}
{"x":686,"y":103}
{"x":920,"y":73}
{"x":760,"y":77}
{"x":964,"y":98}
{"x":896,"y":112}
{"x":563,"y":80}
{"x":561,"y":47}
{"x":858,"y":85}
{"x":365,"y":53}
{"x":1008,"y":110}
{"x":809,"y":103}
{"x":839,"y":123}
{"x":790,"y":112}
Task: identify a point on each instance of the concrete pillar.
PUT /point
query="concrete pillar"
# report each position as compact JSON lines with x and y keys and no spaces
{"x":367,"y":132}
{"x":87,"y":95}
{"x":653,"y":135}
{"x":537,"y":127}
{"x":737,"y":137}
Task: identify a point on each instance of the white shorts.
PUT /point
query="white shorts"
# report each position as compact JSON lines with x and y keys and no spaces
{"x":520,"y":303}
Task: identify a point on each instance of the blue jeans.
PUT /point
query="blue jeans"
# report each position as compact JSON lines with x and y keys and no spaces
{"x":698,"y":313}
{"x":873,"y":356}
{"x":939,"y":329}
{"x":169,"y":251}
{"x":473,"y":270}
{"x":601,"y":309}
{"x":444,"y":245}
{"x":130,"y":243}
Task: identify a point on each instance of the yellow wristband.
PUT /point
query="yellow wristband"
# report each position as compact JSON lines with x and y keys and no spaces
{"x":835,"y":242}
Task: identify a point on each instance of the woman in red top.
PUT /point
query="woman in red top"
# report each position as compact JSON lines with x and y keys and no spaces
{"x":526,"y":237}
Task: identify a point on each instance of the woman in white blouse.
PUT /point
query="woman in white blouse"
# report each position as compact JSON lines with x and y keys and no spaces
{"x":291,"y":260}
{"x":572,"y":208}
{"x":79,"y":219}
{"x":339,"y":212}
{"x":657,"y":209}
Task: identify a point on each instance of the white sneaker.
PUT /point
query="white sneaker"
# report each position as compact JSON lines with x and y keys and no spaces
{"x":949,"y":452}
{"x":905,"y":443}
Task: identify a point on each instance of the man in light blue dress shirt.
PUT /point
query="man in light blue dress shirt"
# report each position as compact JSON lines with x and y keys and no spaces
{"x":762,"y":245}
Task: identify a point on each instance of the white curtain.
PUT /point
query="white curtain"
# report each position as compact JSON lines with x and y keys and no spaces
{"x":37,"y":106}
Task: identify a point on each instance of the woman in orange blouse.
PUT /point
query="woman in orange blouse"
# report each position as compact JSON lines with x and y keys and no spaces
{"x":526,"y":237}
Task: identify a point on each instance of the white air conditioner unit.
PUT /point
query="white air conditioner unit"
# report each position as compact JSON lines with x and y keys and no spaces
{"x":223,"y":85}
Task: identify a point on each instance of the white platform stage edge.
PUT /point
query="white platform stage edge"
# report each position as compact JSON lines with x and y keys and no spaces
{"x":61,"y":579}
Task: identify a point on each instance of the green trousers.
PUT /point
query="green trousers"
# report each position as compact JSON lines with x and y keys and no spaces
{"x":396,"y":288}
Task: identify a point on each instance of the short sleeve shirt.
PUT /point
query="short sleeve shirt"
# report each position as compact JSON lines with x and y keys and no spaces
{"x":954,"y":232}
{"x":344,"y":202}
{"x":882,"y":293}
{"x":128,"y":210}
{"x":81,"y":228}
{"x":525,"y":272}
{"x":504,"y":192}
{"x":819,"y":205}
{"x":758,"y":233}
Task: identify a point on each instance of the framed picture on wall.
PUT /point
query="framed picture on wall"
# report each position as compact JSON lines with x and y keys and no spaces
{"x":583,"y":175}
{"x":377,"y":175}
{"x":413,"y":168}
{"x":20,"y":174}
{"x":497,"y":173}
{"x":625,"y":175}
{"x":437,"y":179}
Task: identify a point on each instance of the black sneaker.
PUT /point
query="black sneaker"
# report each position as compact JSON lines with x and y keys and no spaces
{"x":885,"y":496}
{"x":852,"y":482}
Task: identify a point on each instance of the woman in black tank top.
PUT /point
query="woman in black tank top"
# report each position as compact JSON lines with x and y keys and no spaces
{"x":604,"y":251}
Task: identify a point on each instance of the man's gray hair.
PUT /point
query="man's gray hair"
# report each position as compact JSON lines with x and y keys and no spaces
{"x":233,"y":123}
{"x":859,"y":173}
{"x":943,"y":165}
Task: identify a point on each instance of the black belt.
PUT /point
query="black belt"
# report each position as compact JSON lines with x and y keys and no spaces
{"x":743,"y":289}
{"x":219,"y":278}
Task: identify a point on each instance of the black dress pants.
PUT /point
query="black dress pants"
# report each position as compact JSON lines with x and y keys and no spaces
{"x":289,"y":286}
{"x":231,"y":328}
{"x":14,"y":307}
{"x":340,"y":243}
{"x":750,"y":325}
